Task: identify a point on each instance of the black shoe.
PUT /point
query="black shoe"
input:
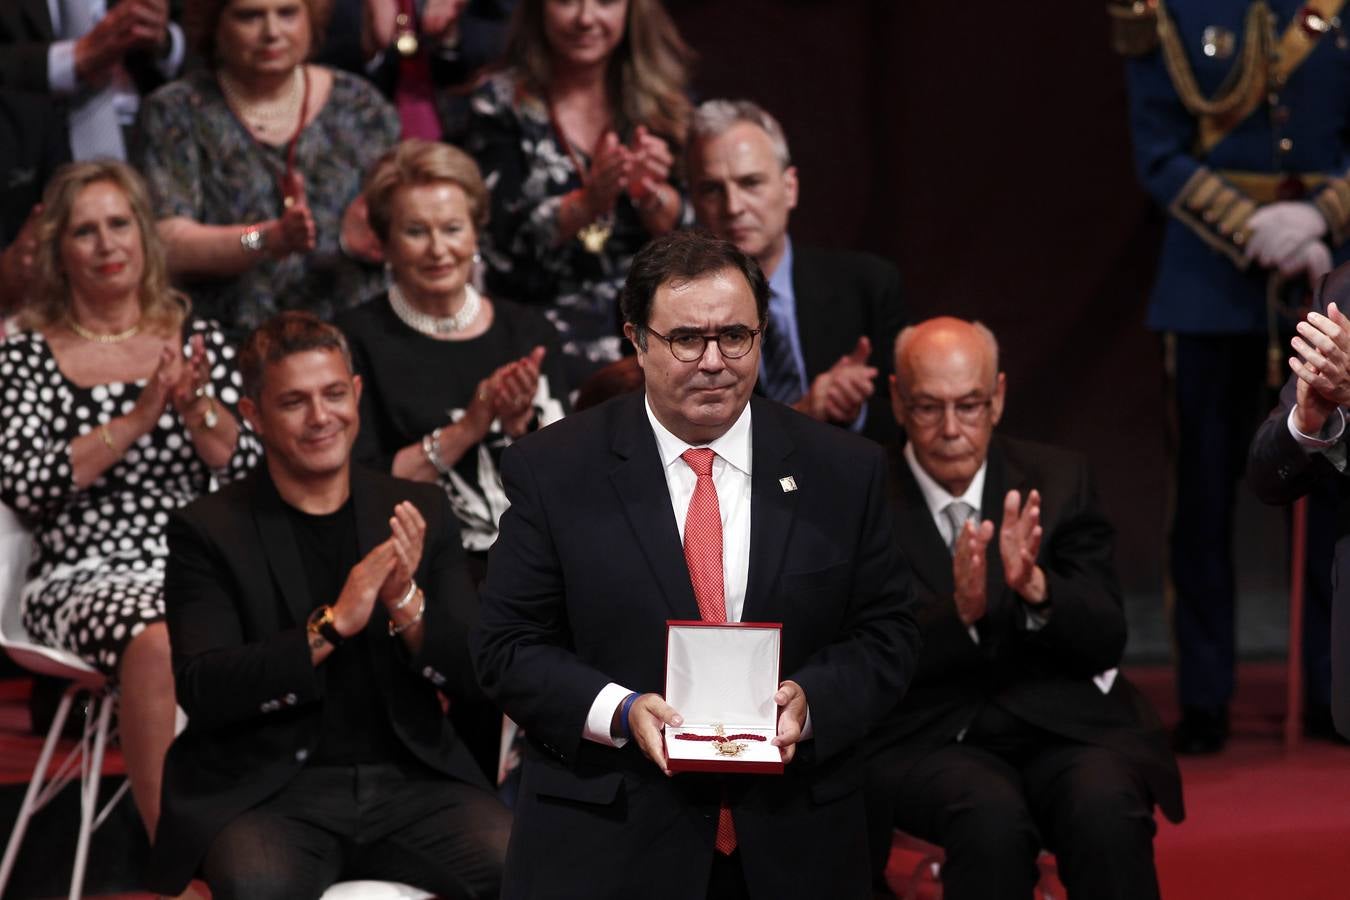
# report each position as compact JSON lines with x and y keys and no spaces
{"x":1202,"y":730}
{"x":1318,"y":725}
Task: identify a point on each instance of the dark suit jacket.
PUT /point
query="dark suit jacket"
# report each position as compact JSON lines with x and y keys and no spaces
{"x":840,"y":297}
{"x":33,"y":144}
{"x":589,"y":567}
{"x":1280,"y":471}
{"x":237,"y":602}
{"x":26,"y":34}
{"x":1044,"y":677}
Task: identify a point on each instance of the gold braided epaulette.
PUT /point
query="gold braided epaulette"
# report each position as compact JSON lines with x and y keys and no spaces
{"x":1217,"y":212}
{"x":1134,"y":26}
{"x":1333,"y":201}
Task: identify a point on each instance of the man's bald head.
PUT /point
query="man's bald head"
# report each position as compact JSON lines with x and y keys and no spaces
{"x":947,"y":393}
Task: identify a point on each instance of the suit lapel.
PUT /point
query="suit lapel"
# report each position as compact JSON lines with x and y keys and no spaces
{"x":641,"y":485}
{"x":283,"y":554}
{"x":772,"y":508}
{"x":810,"y":291}
{"x":919,"y":539}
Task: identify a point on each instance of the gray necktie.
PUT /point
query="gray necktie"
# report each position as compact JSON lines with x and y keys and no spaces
{"x":958,"y":512}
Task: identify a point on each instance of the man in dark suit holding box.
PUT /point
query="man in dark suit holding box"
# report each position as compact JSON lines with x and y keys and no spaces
{"x":781,"y":519}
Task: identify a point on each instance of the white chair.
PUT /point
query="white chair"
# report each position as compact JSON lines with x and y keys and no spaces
{"x":85,"y":760}
{"x":374,"y":890}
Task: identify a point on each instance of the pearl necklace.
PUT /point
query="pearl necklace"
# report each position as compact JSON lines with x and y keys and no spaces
{"x":277,"y":117}
{"x":100,"y":337}
{"x":435,"y":326}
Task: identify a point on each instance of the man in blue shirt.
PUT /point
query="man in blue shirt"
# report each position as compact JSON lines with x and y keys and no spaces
{"x":832,"y":314}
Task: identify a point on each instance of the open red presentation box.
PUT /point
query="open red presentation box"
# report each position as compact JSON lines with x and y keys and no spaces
{"x":723,"y":676}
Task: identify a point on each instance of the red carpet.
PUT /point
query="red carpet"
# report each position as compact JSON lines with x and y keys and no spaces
{"x":1262,"y":824}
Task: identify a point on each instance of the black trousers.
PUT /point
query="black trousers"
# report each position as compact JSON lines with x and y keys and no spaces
{"x":383,"y":822}
{"x":993,"y":801}
{"x":1221,"y":396}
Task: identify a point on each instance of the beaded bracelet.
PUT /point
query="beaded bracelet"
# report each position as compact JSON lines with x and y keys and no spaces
{"x":431,"y":449}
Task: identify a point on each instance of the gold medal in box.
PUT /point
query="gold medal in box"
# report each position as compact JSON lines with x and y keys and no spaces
{"x":721,"y":677}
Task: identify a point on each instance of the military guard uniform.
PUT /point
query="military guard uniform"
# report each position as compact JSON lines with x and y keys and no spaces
{"x":1233,"y":107}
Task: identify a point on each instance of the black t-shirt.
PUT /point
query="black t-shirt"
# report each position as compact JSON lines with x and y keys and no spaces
{"x":355,"y":725}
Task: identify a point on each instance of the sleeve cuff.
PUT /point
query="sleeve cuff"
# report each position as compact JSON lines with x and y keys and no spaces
{"x":61,"y":68}
{"x":172,"y":64}
{"x":1216,"y":212}
{"x":1036,"y":620}
{"x":602,"y":713}
{"x":1331,"y":433}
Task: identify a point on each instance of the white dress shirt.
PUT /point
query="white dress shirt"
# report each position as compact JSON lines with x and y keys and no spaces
{"x":1328,"y":443}
{"x":731,"y":478}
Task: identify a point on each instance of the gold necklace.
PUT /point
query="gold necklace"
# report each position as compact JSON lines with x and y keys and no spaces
{"x":99,"y":337}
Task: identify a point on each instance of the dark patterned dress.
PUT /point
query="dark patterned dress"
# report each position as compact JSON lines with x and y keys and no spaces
{"x":528,"y":172}
{"x":202,"y":163}
{"x":99,"y":576}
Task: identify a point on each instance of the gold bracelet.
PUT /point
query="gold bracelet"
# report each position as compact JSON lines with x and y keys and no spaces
{"x":105,"y":433}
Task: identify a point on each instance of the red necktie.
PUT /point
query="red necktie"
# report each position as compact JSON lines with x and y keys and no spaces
{"x":703,"y":555}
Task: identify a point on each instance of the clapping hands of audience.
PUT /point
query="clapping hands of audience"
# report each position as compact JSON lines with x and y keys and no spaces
{"x":507,"y":394}
{"x":130,"y":25}
{"x":1322,"y":365}
{"x":1019,"y":543}
{"x":838,"y":394}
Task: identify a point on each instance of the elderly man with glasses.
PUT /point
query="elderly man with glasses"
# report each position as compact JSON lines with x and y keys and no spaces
{"x":1017,"y":734}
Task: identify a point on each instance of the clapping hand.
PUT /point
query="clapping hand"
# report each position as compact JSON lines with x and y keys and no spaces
{"x":970,"y":570}
{"x":514,"y":386}
{"x":606,"y":179}
{"x":1019,"y":542}
{"x":648,"y":164}
{"x":1322,"y":366}
{"x":838,"y":394}
{"x":408,"y":532}
{"x":130,"y":25}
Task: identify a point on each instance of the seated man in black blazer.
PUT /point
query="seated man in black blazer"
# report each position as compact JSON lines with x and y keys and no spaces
{"x":314,"y":610}
{"x":832,"y":314}
{"x":1018,"y":732}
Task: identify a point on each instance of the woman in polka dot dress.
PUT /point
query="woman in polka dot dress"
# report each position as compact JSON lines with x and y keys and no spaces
{"x":117,"y":408}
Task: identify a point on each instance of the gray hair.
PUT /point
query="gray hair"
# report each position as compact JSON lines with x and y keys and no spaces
{"x":714,"y":118}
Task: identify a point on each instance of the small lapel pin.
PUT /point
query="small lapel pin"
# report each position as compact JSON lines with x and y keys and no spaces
{"x":788,"y":484}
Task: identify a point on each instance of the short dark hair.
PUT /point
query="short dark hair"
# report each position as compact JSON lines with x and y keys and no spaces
{"x":682,"y":256}
{"x":201,"y":21}
{"x":286,"y":333}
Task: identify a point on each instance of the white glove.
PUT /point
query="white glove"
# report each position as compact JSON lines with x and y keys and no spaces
{"x":1280,"y":230}
{"x":1313,"y":259}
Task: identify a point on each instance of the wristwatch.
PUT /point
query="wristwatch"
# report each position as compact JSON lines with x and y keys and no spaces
{"x":321,"y":623}
{"x":254,"y":240}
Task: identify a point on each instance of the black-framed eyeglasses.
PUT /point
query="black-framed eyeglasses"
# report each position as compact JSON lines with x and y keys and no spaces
{"x":930,"y":412}
{"x":689,"y":346}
